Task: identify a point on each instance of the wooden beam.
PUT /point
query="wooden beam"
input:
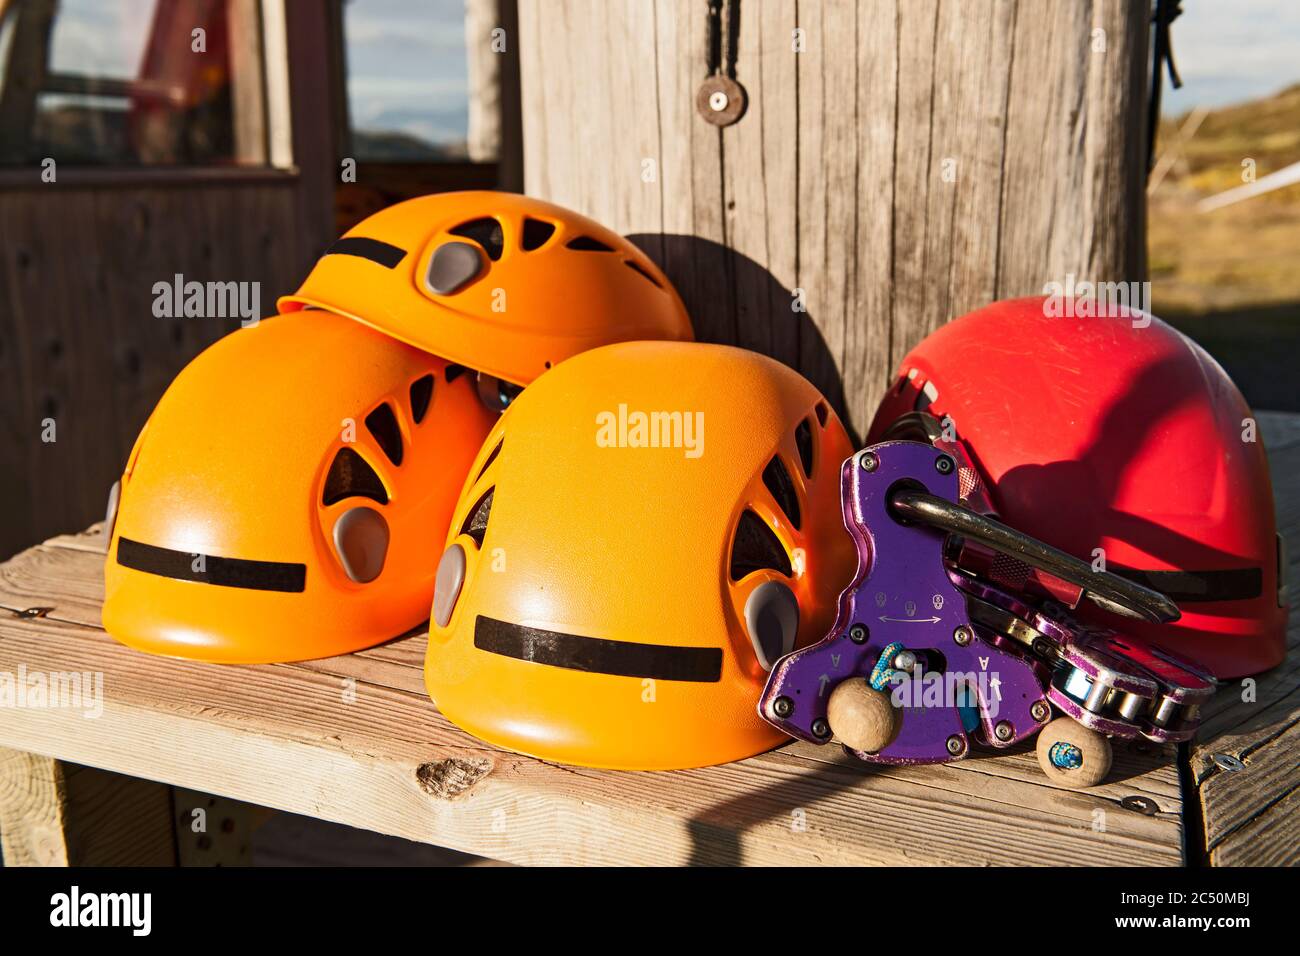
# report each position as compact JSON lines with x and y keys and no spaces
{"x":1243,"y":763}
{"x":355,"y":739}
{"x":24,"y":76}
{"x":58,"y":814}
{"x":275,"y":52}
{"x":248,"y":82}
{"x":310,"y":40}
{"x":899,"y":163}
{"x":510,"y":155}
{"x":483,"y":138}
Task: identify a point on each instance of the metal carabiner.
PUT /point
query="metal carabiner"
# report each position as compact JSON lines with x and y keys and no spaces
{"x":1116,"y":594}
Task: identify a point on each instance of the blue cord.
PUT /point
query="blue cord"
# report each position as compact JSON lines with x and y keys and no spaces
{"x":883,"y":673}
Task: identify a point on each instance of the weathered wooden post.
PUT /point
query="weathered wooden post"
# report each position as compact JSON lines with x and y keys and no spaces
{"x":897,"y":163}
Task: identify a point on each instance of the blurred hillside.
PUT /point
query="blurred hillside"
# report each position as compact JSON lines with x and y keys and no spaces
{"x":1230,"y":278}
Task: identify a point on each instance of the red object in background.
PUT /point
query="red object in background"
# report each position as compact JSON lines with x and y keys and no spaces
{"x":173,"y":75}
{"x":176,"y":83}
{"x":1116,"y":432}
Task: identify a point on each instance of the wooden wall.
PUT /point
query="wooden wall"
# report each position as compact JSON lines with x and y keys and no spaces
{"x":833,"y":181}
{"x":78,"y":260}
{"x":78,"y":340}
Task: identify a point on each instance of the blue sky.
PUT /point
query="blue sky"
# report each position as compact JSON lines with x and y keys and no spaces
{"x":1233,"y":50}
{"x":407,"y":68}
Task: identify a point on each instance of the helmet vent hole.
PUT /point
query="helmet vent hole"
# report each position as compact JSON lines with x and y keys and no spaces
{"x":536,"y":233}
{"x":486,"y":232}
{"x":639,"y":271}
{"x":778,"y":481}
{"x":587,"y":244}
{"x":382,"y":424}
{"x":421,"y":394}
{"x":350,"y":476}
{"x":477,"y":521}
{"x":803,"y":440}
{"x":928,"y":395}
{"x":756,"y":547}
{"x":490,"y":458}
{"x":454,"y":372}
{"x":823,"y":412}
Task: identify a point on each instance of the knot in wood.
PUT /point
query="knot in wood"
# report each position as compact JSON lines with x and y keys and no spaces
{"x":451,"y":777}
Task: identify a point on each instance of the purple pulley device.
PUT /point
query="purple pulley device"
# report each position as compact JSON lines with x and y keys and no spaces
{"x":944,"y":673}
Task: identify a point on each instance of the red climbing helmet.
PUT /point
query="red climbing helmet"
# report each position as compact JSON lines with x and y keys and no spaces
{"x":1100,"y":427}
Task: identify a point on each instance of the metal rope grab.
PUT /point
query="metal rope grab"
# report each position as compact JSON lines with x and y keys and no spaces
{"x":1106,"y":590}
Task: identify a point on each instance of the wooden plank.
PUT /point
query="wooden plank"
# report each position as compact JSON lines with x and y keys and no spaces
{"x":1239,"y":805}
{"x":1250,"y":814}
{"x":58,"y":814}
{"x":1268,"y":839}
{"x":354,"y":740}
{"x":360,"y":724}
{"x":905,"y":163}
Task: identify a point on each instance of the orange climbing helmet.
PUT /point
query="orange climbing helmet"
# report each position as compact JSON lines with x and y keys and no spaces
{"x":498,"y":282}
{"x":282,"y":501}
{"x":648,"y":528}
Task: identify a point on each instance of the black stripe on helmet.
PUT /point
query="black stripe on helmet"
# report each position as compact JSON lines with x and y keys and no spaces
{"x":1192,"y":587}
{"x":386,"y":255}
{"x":225,"y":572}
{"x":598,"y":655}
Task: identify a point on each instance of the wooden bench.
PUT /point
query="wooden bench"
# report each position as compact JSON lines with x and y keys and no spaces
{"x":354,"y":739}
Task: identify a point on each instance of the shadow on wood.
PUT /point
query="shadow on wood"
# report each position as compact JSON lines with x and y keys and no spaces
{"x":732,"y":300}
